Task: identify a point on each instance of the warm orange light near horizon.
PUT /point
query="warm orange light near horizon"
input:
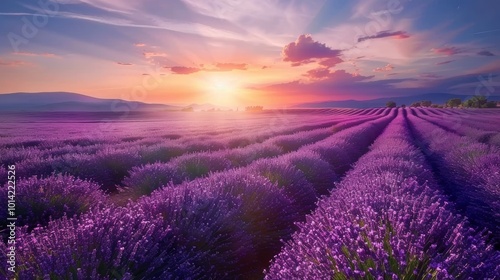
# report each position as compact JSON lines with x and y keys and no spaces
{"x":223,"y":89}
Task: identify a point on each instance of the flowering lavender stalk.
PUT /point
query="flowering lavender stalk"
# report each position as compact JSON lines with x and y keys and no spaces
{"x":110,"y":243}
{"x":39,"y":200}
{"x":229,"y":223}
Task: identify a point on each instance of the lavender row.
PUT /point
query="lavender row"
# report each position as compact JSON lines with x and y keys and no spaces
{"x":227,"y":225}
{"x":191,"y":142}
{"x":107,"y":165}
{"x":470,"y":170}
{"x":145,"y":179}
{"x":40,"y":200}
{"x":461,"y":126}
{"x":386,"y":219}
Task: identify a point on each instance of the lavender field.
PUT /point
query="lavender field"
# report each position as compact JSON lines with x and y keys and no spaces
{"x":402,"y":193}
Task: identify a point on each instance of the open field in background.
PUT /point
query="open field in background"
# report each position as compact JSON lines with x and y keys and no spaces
{"x":406,"y":193}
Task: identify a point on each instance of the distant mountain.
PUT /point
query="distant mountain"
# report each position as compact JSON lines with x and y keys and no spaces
{"x":71,"y":102}
{"x":436,"y":98}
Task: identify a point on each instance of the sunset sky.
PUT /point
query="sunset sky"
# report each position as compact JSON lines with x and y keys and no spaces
{"x":235,"y":52}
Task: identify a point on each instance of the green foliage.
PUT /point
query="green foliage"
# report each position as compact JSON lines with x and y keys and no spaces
{"x":479,"y":101}
{"x":390,"y":104}
{"x":426,"y":103}
{"x":454,"y":102}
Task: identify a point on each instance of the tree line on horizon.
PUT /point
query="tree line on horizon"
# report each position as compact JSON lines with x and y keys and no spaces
{"x":478,"y":101}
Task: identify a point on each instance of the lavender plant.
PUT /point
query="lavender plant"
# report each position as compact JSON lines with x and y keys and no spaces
{"x":39,"y":200}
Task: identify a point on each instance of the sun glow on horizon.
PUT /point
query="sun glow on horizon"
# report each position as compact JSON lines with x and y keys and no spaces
{"x":223,"y":89}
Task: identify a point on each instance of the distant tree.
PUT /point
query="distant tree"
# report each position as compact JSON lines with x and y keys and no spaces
{"x":477,"y":101}
{"x":454,"y":102}
{"x":426,"y":103}
{"x":390,"y":104}
{"x":415,"y":104}
{"x":403,"y":106}
{"x":491,"y":104}
{"x":468,"y":103}
{"x":436,"y":106}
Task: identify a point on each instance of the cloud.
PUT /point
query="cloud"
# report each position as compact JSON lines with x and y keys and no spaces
{"x":35,"y":54}
{"x":386,"y":68}
{"x":124,"y":63}
{"x":230,"y":66}
{"x":386,"y":34}
{"x":447,"y":50}
{"x":330,"y":62}
{"x":264,"y":67}
{"x":430,"y":76}
{"x":444,"y":62}
{"x":219,"y":67}
{"x":339,"y":85}
{"x":304,"y":49}
{"x":318,"y":73}
{"x":12,"y":63}
{"x":485,"y":53}
{"x":149,"y":55}
{"x":139,"y":45}
{"x":184,"y":70}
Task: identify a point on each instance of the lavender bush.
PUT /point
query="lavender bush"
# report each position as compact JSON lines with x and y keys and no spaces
{"x":38,"y":200}
{"x":230,"y":223}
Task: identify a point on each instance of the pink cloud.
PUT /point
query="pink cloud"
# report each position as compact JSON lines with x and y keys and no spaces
{"x":330,"y":62}
{"x":139,"y":45}
{"x":447,"y":50}
{"x":444,"y":62}
{"x":149,"y":55}
{"x":430,"y":76}
{"x":35,"y":54}
{"x":184,"y":70}
{"x":386,"y":68}
{"x":318,"y":73}
{"x":219,"y":67}
{"x":124,"y":63}
{"x":230,"y":66}
{"x":386,"y":34}
{"x":12,"y":63}
{"x":304,"y":49}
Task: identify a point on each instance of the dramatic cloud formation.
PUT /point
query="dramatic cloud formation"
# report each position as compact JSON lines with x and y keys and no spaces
{"x":386,"y":34}
{"x":447,"y":51}
{"x":184,"y":70}
{"x":330,"y":62}
{"x":485,"y":53}
{"x":444,"y":62}
{"x":230,"y":66}
{"x":386,"y":68}
{"x":304,"y":49}
{"x":124,"y":63}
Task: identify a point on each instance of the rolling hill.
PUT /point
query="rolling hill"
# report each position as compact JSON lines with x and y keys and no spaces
{"x":71,"y":102}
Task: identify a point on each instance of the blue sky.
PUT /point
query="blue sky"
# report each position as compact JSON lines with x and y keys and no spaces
{"x":237,"y":52}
